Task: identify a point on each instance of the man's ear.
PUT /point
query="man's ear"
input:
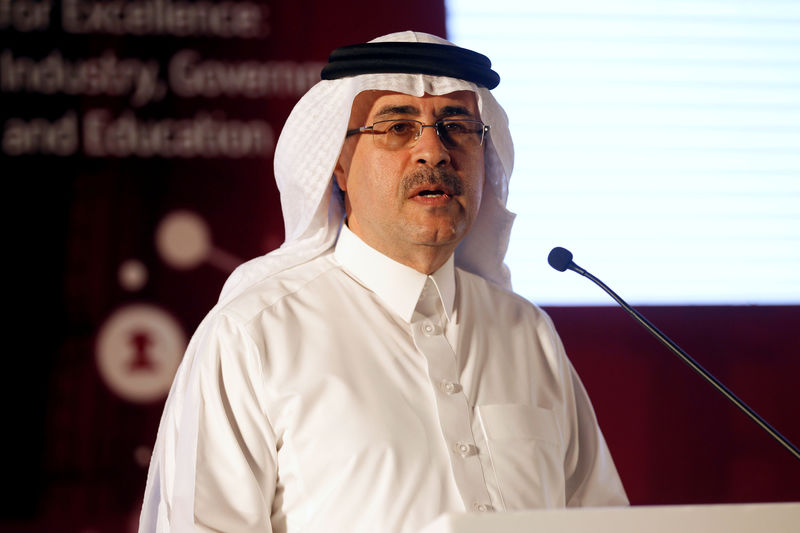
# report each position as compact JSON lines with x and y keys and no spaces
{"x":340,"y":175}
{"x":342,"y":169}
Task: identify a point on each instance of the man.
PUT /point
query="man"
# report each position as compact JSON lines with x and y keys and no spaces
{"x":371,"y":375}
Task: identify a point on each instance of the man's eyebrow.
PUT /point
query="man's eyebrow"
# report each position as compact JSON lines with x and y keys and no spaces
{"x":397,"y":110}
{"x":452,"y":110}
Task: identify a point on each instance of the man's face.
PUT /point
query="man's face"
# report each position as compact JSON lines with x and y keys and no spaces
{"x":424,"y":195}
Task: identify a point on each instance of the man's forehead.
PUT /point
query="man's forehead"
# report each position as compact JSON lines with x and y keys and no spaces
{"x":374,"y":104}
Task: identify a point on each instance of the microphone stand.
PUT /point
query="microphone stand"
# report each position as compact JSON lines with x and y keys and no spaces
{"x":567,"y":263}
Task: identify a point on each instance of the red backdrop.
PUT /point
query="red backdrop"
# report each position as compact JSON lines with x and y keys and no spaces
{"x":674,"y":438}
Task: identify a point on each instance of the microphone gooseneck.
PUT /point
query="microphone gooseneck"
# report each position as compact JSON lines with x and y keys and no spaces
{"x":561,"y":260}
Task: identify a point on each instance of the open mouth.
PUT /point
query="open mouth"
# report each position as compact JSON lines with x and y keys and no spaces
{"x":436,"y":190}
{"x":436,"y":193}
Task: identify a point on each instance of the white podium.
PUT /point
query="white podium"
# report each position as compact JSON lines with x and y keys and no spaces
{"x":744,"y":518}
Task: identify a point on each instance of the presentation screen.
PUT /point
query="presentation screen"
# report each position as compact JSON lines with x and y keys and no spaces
{"x":658,"y":141}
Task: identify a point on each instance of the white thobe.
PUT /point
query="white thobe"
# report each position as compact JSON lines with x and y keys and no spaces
{"x":353,"y":393}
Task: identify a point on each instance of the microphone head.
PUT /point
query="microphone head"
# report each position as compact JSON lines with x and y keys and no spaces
{"x":559,"y":258}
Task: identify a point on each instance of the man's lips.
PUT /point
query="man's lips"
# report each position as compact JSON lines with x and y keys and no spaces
{"x":432,"y":198}
{"x":429,"y":191}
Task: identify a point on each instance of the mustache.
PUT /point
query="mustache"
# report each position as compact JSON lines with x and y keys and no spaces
{"x":437,"y":178}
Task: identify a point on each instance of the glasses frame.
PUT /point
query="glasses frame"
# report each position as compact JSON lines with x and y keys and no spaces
{"x":484,"y":131}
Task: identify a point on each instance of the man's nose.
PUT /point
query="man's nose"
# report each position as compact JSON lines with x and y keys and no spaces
{"x":429,"y":148}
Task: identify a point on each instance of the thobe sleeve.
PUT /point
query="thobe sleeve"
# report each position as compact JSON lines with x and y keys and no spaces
{"x":236,"y":464}
{"x":590,"y":476}
{"x":214,"y":467}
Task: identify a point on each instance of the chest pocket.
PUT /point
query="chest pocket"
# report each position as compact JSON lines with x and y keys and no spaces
{"x":526,"y":453}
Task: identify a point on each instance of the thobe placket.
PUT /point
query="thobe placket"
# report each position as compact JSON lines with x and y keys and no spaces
{"x":453,"y":409}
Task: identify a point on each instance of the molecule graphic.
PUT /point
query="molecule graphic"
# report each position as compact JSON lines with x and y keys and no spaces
{"x":139,"y":346}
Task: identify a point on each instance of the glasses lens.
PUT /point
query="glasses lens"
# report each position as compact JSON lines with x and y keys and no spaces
{"x":461,"y":133}
{"x":395,"y":134}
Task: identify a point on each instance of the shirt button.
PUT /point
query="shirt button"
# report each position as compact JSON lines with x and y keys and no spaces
{"x":482,"y":507}
{"x":464,"y":449}
{"x":429,"y":328}
{"x":448,"y":387}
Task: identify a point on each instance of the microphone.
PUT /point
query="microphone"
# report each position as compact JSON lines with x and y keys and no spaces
{"x":561,"y":260}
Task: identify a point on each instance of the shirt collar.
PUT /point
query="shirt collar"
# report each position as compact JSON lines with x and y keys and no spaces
{"x":398,"y":285}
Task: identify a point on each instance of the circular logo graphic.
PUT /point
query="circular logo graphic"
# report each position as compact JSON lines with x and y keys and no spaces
{"x":132,"y":275}
{"x":183,"y":239}
{"x":138,"y":350}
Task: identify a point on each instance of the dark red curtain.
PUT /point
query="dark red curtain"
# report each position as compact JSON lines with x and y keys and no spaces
{"x":675,"y":439}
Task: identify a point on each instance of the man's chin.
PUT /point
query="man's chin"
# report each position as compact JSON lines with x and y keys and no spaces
{"x":443,"y":234}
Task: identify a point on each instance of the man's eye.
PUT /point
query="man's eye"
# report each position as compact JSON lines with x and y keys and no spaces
{"x":401,"y":128}
{"x":455,"y":128}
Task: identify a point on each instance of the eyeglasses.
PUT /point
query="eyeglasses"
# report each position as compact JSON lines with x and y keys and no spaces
{"x":404,"y":133}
